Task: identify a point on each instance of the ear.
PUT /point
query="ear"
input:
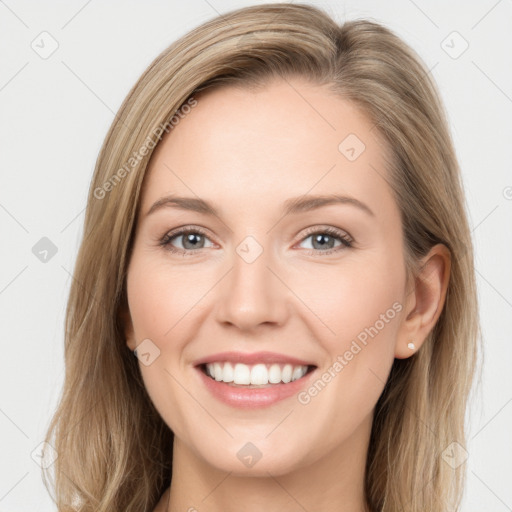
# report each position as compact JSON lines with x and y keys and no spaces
{"x":424,"y":301}
{"x":127,"y":324}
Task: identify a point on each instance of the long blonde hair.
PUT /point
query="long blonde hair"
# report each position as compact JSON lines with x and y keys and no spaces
{"x":114,"y":450}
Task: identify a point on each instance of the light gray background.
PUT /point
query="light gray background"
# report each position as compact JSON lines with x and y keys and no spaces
{"x":55,"y":112}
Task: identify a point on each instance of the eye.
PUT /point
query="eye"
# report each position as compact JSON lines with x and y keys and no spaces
{"x":324,"y":239}
{"x":192,"y":239}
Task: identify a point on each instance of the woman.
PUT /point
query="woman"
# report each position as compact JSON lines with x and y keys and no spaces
{"x":276,"y":228}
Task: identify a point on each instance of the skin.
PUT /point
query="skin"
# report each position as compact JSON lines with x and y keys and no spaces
{"x":247,"y":152}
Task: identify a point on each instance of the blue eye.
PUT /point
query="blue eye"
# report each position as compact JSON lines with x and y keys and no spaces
{"x":326,"y":238}
{"x":193,"y":239}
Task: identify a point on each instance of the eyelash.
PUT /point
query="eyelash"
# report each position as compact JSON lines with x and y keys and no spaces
{"x":346,"y":241}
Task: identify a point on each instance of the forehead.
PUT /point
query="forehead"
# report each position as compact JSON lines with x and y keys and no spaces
{"x":242,"y":148}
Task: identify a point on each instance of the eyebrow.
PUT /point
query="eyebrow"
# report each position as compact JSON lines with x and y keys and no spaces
{"x":291,"y":206}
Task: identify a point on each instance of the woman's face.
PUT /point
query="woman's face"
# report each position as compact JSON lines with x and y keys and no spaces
{"x":271,"y":271}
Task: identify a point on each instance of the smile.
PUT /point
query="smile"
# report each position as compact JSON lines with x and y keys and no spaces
{"x":256,"y":375}
{"x":255,"y":396}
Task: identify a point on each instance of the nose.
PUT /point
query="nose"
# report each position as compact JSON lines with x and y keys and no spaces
{"x":252,"y":293}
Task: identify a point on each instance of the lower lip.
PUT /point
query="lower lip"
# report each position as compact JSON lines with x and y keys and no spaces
{"x":253,"y":397}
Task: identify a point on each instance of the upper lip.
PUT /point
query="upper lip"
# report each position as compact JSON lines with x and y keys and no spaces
{"x":252,"y":358}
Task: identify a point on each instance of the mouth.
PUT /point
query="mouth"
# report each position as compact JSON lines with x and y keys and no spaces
{"x":257,"y":376}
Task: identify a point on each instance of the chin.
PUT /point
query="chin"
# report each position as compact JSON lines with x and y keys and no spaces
{"x":256,"y":459}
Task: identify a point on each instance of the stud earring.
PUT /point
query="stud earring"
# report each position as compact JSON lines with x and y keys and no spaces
{"x":411,"y":345}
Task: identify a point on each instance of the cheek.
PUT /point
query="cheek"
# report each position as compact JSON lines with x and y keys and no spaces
{"x":359,"y":309}
{"x":354,"y":300}
{"x":160,"y":298}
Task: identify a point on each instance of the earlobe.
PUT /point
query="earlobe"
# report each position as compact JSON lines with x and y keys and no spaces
{"x":425,"y":302}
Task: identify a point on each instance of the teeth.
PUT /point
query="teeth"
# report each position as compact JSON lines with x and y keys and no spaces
{"x":258,"y":374}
